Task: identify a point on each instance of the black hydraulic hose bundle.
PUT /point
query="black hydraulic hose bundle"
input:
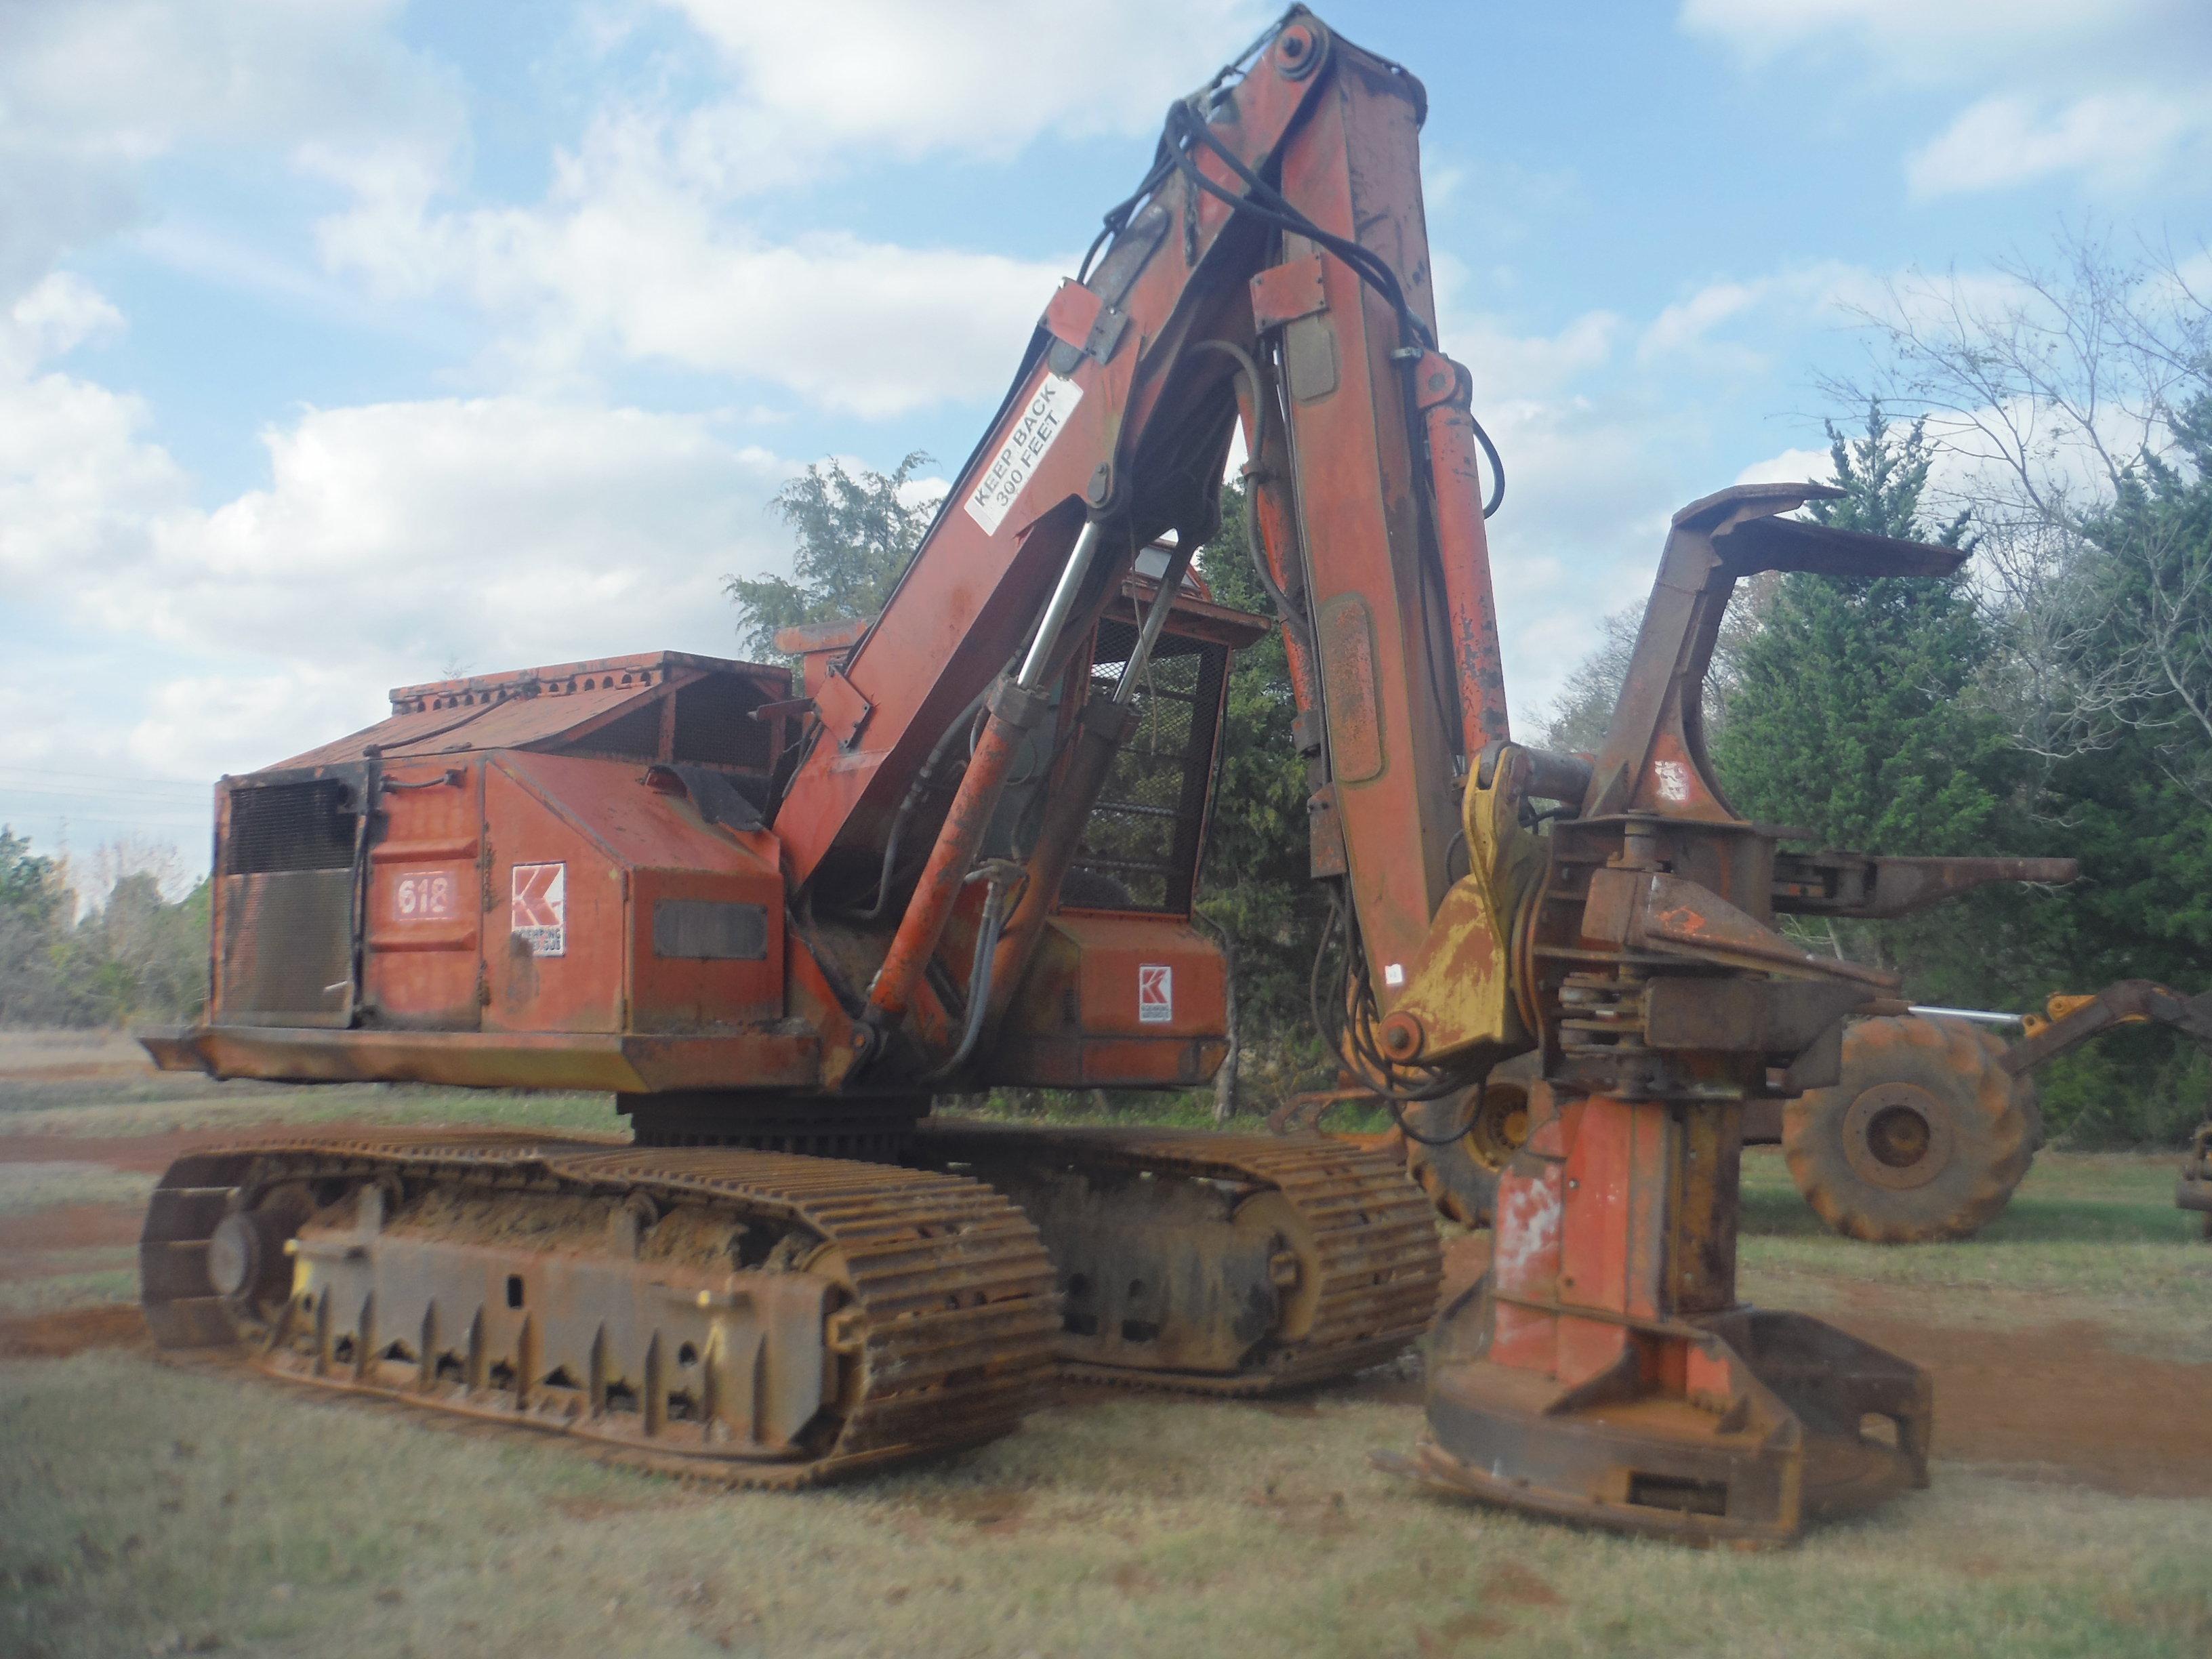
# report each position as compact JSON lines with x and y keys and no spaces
{"x":1263,"y":202}
{"x":1352,"y":1038}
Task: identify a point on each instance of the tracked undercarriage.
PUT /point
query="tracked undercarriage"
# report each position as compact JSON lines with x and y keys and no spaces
{"x":775,"y":1318}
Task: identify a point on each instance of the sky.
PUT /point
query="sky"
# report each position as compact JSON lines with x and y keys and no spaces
{"x":344,"y":343}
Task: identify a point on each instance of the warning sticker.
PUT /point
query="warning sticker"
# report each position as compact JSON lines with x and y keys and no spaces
{"x":538,"y":915}
{"x":1016,"y":463}
{"x":1155,"y":993}
{"x":424,"y":896}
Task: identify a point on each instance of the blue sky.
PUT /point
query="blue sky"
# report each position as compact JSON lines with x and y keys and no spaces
{"x":345,"y":341}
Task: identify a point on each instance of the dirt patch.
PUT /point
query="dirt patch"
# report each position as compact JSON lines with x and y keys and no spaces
{"x":1452,"y":1638}
{"x":1131,"y":1579}
{"x":90,"y":1070}
{"x":1516,"y":1585}
{"x":69,"y":1227}
{"x":72,"y":1330}
{"x":596,"y":1509}
{"x":1324,"y":1514}
{"x":995,"y":1513}
{"x":2053,"y":1401}
{"x":2057,"y":1402}
{"x":146,"y":1153}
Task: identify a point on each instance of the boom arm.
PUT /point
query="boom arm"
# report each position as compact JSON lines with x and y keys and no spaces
{"x":1273,"y":270}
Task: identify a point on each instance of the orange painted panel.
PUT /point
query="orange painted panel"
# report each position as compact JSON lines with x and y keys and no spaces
{"x":554,"y":941}
{"x":1146,"y":976}
{"x":425,"y":911}
{"x":692,"y":944}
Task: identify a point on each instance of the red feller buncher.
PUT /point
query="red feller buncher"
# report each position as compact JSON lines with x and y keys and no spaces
{"x":775,"y":919}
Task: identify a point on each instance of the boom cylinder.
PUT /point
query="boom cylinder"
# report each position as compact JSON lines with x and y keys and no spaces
{"x":1446,"y":396}
{"x":1015,"y":708}
{"x":1014,"y":714}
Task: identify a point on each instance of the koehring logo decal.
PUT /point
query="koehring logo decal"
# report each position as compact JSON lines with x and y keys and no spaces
{"x":538,"y":914}
{"x":1155,"y":993}
{"x":1016,"y":461}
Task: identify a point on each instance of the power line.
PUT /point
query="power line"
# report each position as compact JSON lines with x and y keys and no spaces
{"x":10,"y":774}
{"x":173,"y":802}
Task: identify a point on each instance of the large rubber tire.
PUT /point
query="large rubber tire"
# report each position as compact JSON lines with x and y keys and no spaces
{"x":1460,"y":1177}
{"x":1923,"y":1138}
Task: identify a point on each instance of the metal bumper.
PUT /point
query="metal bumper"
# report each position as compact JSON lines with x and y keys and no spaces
{"x":618,"y":1062}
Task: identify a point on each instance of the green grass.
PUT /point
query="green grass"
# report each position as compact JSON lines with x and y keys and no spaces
{"x":85,"y":1110}
{"x":2093,"y":1236}
{"x":27,"y":1188}
{"x":84,"y":1279}
{"x":145,"y":1505}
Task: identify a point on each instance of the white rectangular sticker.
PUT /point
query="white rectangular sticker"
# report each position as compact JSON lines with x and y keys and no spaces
{"x":538,"y":914}
{"x":424,"y":896}
{"x":1155,"y":994}
{"x":1016,"y":463}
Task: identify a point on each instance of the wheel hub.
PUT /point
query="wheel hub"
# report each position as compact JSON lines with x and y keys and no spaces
{"x":1500,"y":1124}
{"x":1898,"y":1136}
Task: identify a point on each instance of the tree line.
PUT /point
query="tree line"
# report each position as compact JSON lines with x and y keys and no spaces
{"x":100,"y":944}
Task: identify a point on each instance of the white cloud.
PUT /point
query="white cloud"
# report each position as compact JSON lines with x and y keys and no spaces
{"x":1791,"y":467}
{"x":393,"y":537}
{"x":57,"y":315}
{"x":973,"y":76}
{"x":646,"y":246}
{"x":2120,"y":139}
{"x":92,"y":90}
{"x":1687,"y":329}
{"x":2118,"y":92}
{"x":78,"y":481}
{"x":1507,"y":365}
{"x":1909,"y":34}
{"x":389,"y":540}
{"x":627,"y":266}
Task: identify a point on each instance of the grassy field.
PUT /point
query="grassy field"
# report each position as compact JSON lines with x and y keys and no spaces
{"x":146,"y":1509}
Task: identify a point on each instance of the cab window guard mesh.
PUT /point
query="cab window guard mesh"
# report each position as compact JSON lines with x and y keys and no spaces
{"x":1139,"y":849}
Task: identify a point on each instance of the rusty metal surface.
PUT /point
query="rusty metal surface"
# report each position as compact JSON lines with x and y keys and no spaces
{"x":1445,"y":393}
{"x":535,"y":708}
{"x":1786,"y":1448}
{"x":1014,"y":714}
{"x":1220,"y":1264}
{"x":620,"y":1063}
{"x":1830,"y":884}
{"x":1076,"y":1021}
{"x":2129,"y":1002}
{"x":1604,"y":1371}
{"x":620,"y":1295}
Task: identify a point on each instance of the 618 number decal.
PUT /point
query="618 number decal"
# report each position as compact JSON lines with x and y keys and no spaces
{"x":424,"y":896}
